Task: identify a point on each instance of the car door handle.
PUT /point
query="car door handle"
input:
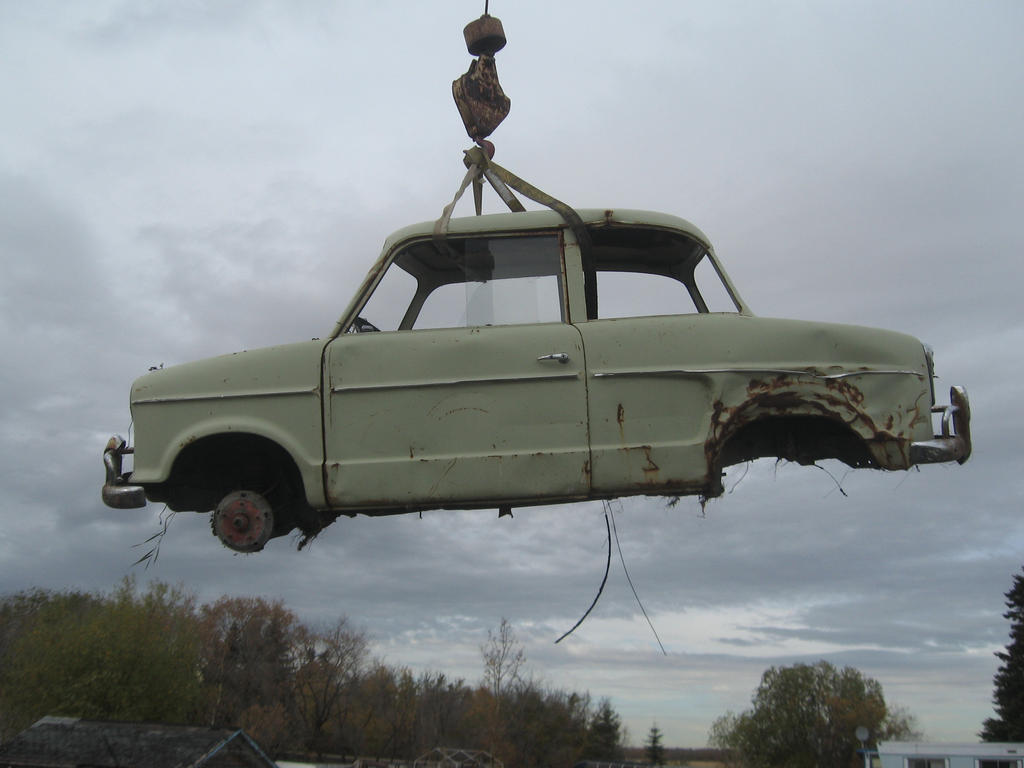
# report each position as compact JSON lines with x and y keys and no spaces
{"x":559,"y":356}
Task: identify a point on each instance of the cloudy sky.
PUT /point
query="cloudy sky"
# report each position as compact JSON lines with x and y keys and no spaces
{"x":182,"y":178}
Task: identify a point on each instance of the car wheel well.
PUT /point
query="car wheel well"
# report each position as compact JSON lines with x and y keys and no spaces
{"x":800,"y":439}
{"x":211,"y":467}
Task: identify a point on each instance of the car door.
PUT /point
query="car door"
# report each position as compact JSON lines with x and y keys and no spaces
{"x":649,"y":415}
{"x":485,"y":409}
{"x":651,"y":355}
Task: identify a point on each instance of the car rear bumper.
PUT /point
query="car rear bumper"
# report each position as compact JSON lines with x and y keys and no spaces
{"x":954,"y":441}
{"x":117,"y":491}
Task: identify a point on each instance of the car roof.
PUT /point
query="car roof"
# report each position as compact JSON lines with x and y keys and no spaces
{"x":547,"y":219}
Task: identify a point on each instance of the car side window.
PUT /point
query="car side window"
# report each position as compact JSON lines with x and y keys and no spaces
{"x":650,"y":271}
{"x":469,"y":282}
{"x":638,"y":294}
{"x":502,"y":301}
{"x":643,"y":294}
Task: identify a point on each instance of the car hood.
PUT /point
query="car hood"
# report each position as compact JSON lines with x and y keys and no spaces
{"x":270,"y":370}
{"x":742,"y":340}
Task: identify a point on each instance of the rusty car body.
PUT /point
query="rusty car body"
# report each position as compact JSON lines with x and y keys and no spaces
{"x":504,"y":363}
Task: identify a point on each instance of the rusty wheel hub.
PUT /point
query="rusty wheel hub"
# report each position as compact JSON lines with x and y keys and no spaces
{"x":243,"y":521}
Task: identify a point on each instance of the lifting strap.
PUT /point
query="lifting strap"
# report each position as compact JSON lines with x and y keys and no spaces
{"x":480,"y":166}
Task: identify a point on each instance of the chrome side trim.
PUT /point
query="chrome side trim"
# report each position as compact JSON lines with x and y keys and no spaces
{"x":452,"y":383}
{"x":225,"y":396}
{"x":751,"y":371}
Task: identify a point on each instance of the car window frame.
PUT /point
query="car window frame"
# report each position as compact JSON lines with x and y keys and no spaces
{"x":388,"y":261}
{"x":606,"y":262}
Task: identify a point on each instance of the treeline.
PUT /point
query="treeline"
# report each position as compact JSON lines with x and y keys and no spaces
{"x":158,"y":655}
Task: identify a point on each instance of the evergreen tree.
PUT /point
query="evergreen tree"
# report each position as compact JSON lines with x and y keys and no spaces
{"x":653,"y":748}
{"x":1008,"y":724}
{"x":604,"y":736}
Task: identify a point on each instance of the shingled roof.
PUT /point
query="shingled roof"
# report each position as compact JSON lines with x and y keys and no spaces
{"x":63,"y":742}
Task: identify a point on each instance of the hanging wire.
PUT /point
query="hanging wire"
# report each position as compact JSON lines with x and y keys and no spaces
{"x":609,"y":523}
{"x":626,"y":571}
{"x":607,"y":567}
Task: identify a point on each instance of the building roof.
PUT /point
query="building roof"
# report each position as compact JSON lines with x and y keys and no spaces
{"x":63,"y":742}
{"x":981,"y":749}
{"x":453,"y":757}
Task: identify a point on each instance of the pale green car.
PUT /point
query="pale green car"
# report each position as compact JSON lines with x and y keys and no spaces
{"x":505,"y":363}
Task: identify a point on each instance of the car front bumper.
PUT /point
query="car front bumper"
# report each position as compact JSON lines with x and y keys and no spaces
{"x":953,"y":443}
{"x":118,"y":492}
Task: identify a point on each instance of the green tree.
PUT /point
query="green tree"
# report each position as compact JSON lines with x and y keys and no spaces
{"x":806,"y":715}
{"x":129,"y":655}
{"x":1008,"y":697}
{"x":248,"y":662}
{"x":18,"y":614}
{"x":653,"y":748}
{"x":604,"y":737}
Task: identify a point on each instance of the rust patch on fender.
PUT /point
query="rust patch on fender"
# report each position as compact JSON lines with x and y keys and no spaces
{"x":838,"y":400}
{"x":846,"y":390}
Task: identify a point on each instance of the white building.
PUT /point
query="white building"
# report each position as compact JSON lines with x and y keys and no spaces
{"x":917,"y":754}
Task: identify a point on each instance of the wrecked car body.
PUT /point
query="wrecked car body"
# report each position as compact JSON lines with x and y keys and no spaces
{"x":504,"y":363}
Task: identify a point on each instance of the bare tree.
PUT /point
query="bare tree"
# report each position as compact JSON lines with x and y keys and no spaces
{"x":503,"y":658}
{"x":330,"y":665}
